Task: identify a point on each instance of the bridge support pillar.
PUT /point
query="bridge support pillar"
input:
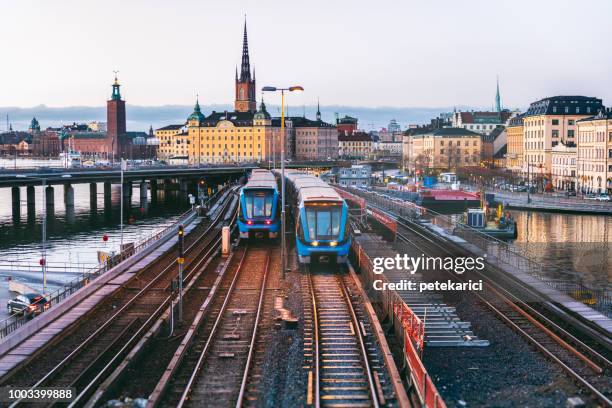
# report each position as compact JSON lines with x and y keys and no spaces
{"x":153,"y":184}
{"x":143,"y":192}
{"x":93,"y":196}
{"x":31,"y":201}
{"x":69,"y":196}
{"x":107,"y":195}
{"x":127,"y":189}
{"x":50,"y":200}
{"x":16,"y":194}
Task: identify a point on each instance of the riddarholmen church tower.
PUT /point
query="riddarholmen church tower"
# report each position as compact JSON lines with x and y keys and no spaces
{"x":245,"y":85}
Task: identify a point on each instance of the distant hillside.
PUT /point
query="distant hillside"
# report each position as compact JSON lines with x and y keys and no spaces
{"x":141,"y":117}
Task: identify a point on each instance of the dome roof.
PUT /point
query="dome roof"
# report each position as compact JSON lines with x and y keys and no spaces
{"x":262,"y":113}
{"x":197,"y":113}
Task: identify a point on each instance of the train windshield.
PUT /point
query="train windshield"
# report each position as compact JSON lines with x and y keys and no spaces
{"x":258,"y":203}
{"x":323,"y":221}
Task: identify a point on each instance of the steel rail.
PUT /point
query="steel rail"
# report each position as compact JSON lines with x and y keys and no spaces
{"x":254,"y":336}
{"x":136,"y":336}
{"x":524,"y":305}
{"x":55,"y":370}
{"x":364,"y":353}
{"x":209,"y":341}
{"x":579,"y":378}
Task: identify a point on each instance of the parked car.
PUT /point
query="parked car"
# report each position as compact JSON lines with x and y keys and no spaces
{"x":570,"y":193}
{"x":590,"y":197}
{"x":29,"y":304}
{"x":603,"y":197}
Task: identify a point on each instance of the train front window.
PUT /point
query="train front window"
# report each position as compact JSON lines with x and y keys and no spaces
{"x":323,"y":222}
{"x":258,"y":203}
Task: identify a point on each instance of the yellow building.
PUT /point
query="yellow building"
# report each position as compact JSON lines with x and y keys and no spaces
{"x":514,"y":155}
{"x":443,"y":149}
{"x":229,"y":137}
{"x":173,"y":142}
{"x":549,"y":122}
{"x":594,"y":161}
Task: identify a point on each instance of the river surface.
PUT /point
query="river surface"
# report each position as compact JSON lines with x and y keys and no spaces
{"x":570,"y":247}
{"x":74,"y":237}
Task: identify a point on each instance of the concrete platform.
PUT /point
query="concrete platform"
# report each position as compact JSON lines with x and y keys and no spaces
{"x":28,"y":339}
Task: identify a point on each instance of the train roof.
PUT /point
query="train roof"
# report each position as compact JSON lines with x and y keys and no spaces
{"x":312,"y":188}
{"x":261,"y":178}
{"x":319,"y":193}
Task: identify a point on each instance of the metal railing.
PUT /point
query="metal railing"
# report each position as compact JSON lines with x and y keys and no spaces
{"x":17,"y":320}
{"x":501,"y":253}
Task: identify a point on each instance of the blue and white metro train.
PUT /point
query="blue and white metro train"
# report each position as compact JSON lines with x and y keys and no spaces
{"x":321,"y":219}
{"x":259,"y":212}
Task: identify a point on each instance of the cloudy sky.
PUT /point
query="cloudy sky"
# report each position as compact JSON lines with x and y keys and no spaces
{"x":402,"y":53}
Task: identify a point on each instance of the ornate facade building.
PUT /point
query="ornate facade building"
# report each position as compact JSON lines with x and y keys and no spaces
{"x":443,"y":149}
{"x":551,"y":121}
{"x":594,"y":161}
{"x":249,"y":134}
{"x":514,"y":155}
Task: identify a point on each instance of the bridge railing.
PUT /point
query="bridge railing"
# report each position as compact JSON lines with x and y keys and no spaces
{"x":16,"y":320}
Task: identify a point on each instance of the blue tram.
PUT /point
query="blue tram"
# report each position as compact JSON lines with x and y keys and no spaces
{"x":259,"y":213}
{"x":321,"y":219}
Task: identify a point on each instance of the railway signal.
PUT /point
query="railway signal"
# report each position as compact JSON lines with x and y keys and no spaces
{"x":181,"y":261}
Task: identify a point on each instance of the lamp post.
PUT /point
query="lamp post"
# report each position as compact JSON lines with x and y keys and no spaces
{"x":283,"y":224}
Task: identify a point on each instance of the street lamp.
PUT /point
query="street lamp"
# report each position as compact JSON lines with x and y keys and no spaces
{"x":283,"y":225}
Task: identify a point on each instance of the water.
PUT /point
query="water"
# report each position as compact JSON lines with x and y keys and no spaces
{"x":578,"y":242}
{"x":74,"y":237}
{"x":571,"y":247}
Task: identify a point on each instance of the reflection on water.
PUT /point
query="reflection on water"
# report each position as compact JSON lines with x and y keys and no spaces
{"x":577,"y":242}
{"x":74,"y":236}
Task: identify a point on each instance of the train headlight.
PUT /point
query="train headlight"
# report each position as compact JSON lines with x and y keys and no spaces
{"x":315,"y":243}
{"x":333,"y":243}
{"x":268,"y":222}
{"x":249,"y":222}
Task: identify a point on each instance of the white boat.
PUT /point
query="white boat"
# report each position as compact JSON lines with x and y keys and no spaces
{"x":71,"y":158}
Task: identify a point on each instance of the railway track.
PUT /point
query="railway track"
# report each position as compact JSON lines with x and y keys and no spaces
{"x":587,"y":367}
{"x":117,"y":326}
{"x":216,"y":367}
{"x":346,"y":369}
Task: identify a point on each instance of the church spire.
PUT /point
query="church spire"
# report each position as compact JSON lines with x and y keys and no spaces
{"x":498,"y":106}
{"x":318,"y":110}
{"x":245,"y":71}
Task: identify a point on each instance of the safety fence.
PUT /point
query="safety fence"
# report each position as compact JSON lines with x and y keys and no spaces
{"x":412,"y":329}
{"x":502,"y":254}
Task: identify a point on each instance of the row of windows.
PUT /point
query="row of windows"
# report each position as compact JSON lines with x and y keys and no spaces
{"x":484,"y":127}
{"x":594,"y":153}
{"x":231,"y":146}
{"x":467,"y":143}
{"x":197,"y":130}
{"x":564,"y":160}
{"x":534,"y":159}
{"x":592,"y":167}
{"x":594,"y":137}
{"x":226,"y":153}
{"x":459,"y":151}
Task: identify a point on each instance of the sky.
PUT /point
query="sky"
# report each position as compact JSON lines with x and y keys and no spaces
{"x":403,"y":53}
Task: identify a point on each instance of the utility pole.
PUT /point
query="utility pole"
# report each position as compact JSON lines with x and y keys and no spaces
{"x":181,"y":261}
